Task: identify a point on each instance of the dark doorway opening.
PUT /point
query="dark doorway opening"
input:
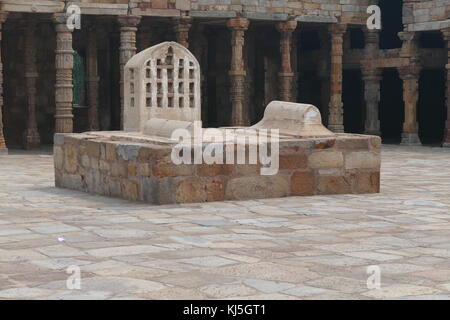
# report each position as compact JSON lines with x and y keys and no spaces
{"x":392,"y":111}
{"x":431,"y":112}
{"x":391,"y":19}
{"x":353,"y":98}
{"x":218,"y":83}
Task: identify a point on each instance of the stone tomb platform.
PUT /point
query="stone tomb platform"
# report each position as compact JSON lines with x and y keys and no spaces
{"x":133,"y":167}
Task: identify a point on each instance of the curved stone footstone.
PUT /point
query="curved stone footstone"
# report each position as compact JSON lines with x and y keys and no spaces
{"x":300,"y":120}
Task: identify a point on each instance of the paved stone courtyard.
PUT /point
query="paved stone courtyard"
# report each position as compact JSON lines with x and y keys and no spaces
{"x":291,"y":248}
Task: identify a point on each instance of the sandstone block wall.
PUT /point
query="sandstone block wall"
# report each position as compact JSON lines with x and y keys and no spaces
{"x":427,"y":15}
{"x":348,"y":164}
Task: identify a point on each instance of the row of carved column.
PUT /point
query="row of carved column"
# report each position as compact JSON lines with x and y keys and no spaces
{"x":128,"y":33}
{"x":240,"y":116}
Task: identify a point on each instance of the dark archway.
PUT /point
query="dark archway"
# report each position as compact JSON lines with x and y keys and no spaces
{"x":392,"y":110}
{"x":431,"y":111}
{"x":353,"y":98}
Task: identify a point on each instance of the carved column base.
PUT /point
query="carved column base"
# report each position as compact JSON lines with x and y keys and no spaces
{"x":31,"y":139}
{"x":373,"y":132}
{"x":336,"y":115}
{"x":410,"y":139}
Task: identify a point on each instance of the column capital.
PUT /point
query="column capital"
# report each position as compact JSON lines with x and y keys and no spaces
{"x":286,"y":26}
{"x":407,"y":35}
{"x":371,"y":74}
{"x":238,"y":23}
{"x":129,"y":20}
{"x":409,"y":72}
{"x":182,"y":23}
{"x":338,"y":29}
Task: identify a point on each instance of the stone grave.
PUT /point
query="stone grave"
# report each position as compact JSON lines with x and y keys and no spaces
{"x":162,"y":97}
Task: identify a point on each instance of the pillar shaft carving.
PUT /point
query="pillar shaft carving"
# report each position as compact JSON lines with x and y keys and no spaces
{"x":336,"y":111}
{"x":286,"y":76}
{"x":128,"y":29}
{"x":181,"y":28}
{"x":92,"y":78}
{"x":410,"y":74}
{"x":372,"y":79}
{"x":239,"y":115}
{"x":64,"y":70}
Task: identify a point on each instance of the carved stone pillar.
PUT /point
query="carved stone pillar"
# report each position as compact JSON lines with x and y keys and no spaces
{"x":92,"y":77}
{"x":372,"y":79}
{"x":239,"y":115}
{"x":64,"y":69}
{"x":336,"y":106}
{"x":181,"y":28}
{"x":128,"y":29}
{"x":410,"y":74}
{"x":286,"y":76}
{"x":3,"y":149}
{"x":31,"y":134}
{"x":446,"y":33}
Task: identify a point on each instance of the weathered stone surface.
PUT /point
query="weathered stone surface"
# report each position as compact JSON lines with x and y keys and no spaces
{"x":325,"y":160}
{"x":257,"y":187}
{"x":70,"y":158}
{"x":362,"y":160}
{"x":333,"y":185}
{"x":302,"y":184}
{"x":212,"y":170}
{"x":145,"y":171}
{"x":166,"y":168}
{"x":199,"y":190}
{"x":367,"y":182}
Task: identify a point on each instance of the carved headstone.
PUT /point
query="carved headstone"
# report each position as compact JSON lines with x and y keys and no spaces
{"x":162,"y":90}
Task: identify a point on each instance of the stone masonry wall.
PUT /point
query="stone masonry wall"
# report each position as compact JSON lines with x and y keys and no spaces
{"x":349,"y":11}
{"x":349,"y":164}
{"x":427,"y":15}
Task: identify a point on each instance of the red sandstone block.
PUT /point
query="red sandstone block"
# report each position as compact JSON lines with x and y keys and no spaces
{"x":302,"y":184}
